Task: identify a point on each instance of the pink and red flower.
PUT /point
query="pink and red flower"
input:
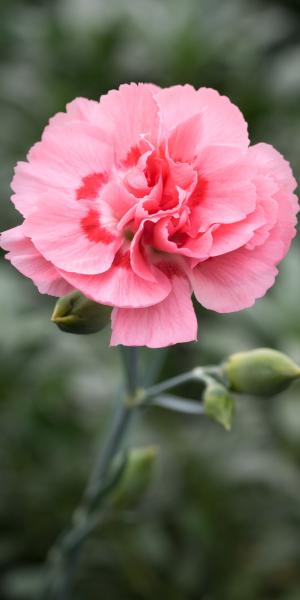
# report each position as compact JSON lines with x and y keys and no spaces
{"x":147,"y":196}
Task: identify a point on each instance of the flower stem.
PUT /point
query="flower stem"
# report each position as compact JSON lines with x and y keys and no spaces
{"x":130,"y":362}
{"x":65,"y":554}
{"x":179,"y":404}
{"x":197,"y":374}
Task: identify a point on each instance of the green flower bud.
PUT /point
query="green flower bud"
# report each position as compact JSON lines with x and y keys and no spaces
{"x":261,"y":372}
{"x":135,"y":478}
{"x":76,"y":314}
{"x":218,"y":404}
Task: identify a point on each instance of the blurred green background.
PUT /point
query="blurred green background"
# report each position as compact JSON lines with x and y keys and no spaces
{"x":222,"y":519}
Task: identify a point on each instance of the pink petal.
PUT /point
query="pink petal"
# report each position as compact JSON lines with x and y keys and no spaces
{"x":222,"y":121}
{"x":75,"y":148}
{"x":233,"y":281}
{"x":150,"y":205}
{"x":199,"y":247}
{"x":116,"y":202}
{"x":185,"y":139}
{"x":266,"y":187}
{"x":80,"y":109}
{"x":132,"y":114}
{"x":176,"y":104}
{"x":139,"y":256}
{"x":120,"y":286}
{"x":26,"y":258}
{"x":172,"y":321}
{"x":225,"y":198}
{"x":284,"y":230}
{"x":234,"y":235}
{"x":60,"y":162}
{"x":183,"y":176}
{"x":71,"y":236}
{"x":215,"y":157}
{"x":270,"y":163}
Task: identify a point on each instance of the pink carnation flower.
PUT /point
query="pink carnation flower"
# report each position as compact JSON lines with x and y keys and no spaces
{"x":146,"y":197}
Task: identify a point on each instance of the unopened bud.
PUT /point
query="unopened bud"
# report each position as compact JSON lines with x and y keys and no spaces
{"x":135,"y":479}
{"x":75,"y":313}
{"x":218,"y":404}
{"x":261,"y":372}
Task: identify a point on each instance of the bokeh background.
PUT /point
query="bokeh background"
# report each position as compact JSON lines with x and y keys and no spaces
{"x":222,"y":518}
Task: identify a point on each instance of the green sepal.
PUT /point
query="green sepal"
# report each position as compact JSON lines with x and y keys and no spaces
{"x":135,"y":478}
{"x":218,"y":404}
{"x":260,"y":372}
{"x":77,"y":314}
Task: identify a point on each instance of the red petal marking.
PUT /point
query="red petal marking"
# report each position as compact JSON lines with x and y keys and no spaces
{"x":122,"y":260}
{"x":170,"y":269}
{"x":198,"y":193}
{"x":93,"y":229}
{"x":152,"y":206}
{"x":153,"y":169}
{"x":169,"y":200}
{"x":148,"y":233}
{"x":165,"y":202}
{"x":157,"y":167}
{"x":91,"y":185}
{"x":180,"y":238}
{"x":132,"y":157}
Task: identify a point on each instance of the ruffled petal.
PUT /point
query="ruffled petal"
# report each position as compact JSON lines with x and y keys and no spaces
{"x":185,"y":139}
{"x":198,"y":247}
{"x":222,"y":121}
{"x":120,"y":286}
{"x":226,"y":198}
{"x":235,"y":235}
{"x":26,"y":258}
{"x":60,"y":162}
{"x":176,"y":103}
{"x":131,"y":113}
{"x":80,"y":109}
{"x":72,"y":236}
{"x":271,"y":164}
{"x":233,"y":281}
{"x":172,"y":321}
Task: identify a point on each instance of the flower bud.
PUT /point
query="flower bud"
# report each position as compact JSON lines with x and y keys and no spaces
{"x":135,"y":479}
{"x":261,"y":372}
{"x":75,"y":313}
{"x":218,"y":404}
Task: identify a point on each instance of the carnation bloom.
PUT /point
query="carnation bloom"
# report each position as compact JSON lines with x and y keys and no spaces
{"x":147,"y":196}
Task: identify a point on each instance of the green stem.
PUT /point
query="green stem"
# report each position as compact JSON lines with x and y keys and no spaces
{"x":179,"y":404}
{"x":65,"y":554}
{"x":113,"y":443}
{"x":130,"y":362}
{"x":197,"y":374}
